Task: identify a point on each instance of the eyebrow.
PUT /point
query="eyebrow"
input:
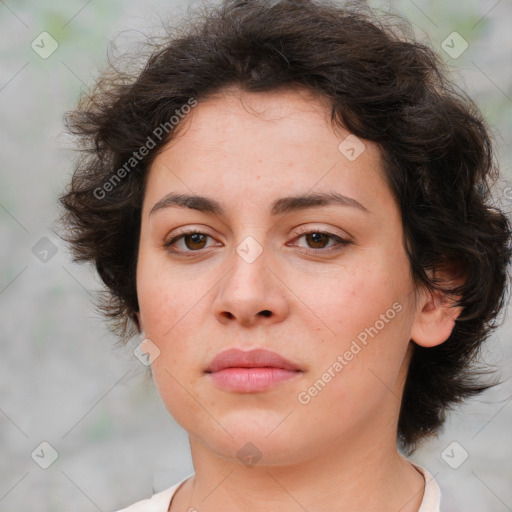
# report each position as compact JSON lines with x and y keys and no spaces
{"x":280,"y":206}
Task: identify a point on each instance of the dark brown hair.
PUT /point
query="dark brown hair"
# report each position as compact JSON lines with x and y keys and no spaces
{"x":381,"y":86}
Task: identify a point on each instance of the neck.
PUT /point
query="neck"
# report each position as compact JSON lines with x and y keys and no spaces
{"x":361,"y":474}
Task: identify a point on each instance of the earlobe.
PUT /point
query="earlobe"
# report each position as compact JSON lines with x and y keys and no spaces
{"x":435,"y":319}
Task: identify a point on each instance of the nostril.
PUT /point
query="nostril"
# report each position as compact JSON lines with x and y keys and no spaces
{"x":265,"y":312}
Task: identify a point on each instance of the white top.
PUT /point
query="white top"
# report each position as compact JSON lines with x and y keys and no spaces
{"x":160,"y":502}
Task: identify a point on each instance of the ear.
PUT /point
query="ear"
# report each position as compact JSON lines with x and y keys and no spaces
{"x":435,"y":317}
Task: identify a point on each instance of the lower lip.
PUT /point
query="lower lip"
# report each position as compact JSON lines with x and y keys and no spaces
{"x":251,"y":380}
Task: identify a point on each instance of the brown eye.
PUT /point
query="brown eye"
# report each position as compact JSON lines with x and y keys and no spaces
{"x":188,"y":242}
{"x":195,"y":241}
{"x":317,"y":240}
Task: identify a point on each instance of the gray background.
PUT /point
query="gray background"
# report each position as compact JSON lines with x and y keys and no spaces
{"x":63,"y":381}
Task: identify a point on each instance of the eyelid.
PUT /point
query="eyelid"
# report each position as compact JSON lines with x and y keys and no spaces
{"x":341,"y":241}
{"x":190,"y":229}
{"x":180,"y":233}
{"x":301,"y":231}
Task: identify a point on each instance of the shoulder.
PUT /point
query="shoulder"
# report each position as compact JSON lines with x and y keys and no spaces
{"x":159,"y":502}
{"x":432,"y":497}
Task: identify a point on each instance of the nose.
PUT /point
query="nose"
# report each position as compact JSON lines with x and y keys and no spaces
{"x":251,"y":293}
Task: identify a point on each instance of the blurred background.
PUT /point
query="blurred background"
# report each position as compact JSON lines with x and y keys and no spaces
{"x":78,"y":422}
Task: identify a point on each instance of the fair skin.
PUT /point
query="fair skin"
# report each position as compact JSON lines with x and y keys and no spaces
{"x":338,"y":451}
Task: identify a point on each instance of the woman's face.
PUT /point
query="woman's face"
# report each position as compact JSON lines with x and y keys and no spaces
{"x":259,"y":274}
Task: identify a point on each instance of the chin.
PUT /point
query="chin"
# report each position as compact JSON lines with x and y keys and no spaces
{"x":254,"y":439}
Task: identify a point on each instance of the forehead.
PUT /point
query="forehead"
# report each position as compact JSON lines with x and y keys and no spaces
{"x":261,"y":145}
{"x":263,"y":123}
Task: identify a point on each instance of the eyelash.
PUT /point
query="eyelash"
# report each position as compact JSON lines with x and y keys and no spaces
{"x":341,"y":242}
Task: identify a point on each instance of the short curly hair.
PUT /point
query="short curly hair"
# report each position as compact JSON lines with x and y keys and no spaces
{"x":381,"y":85}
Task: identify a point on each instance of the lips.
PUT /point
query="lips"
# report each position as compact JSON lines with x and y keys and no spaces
{"x":256,"y":358}
{"x":254,"y":371}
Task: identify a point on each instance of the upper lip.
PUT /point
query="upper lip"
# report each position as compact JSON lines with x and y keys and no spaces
{"x":255,"y":358}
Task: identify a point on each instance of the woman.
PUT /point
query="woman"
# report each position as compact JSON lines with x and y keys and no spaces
{"x":290,"y":205}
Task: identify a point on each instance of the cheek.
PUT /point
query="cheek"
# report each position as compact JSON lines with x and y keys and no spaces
{"x":170,"y":303}
{"x":353,"y":299}
{"x":164,"y":297}
{"x":365,"y":313}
